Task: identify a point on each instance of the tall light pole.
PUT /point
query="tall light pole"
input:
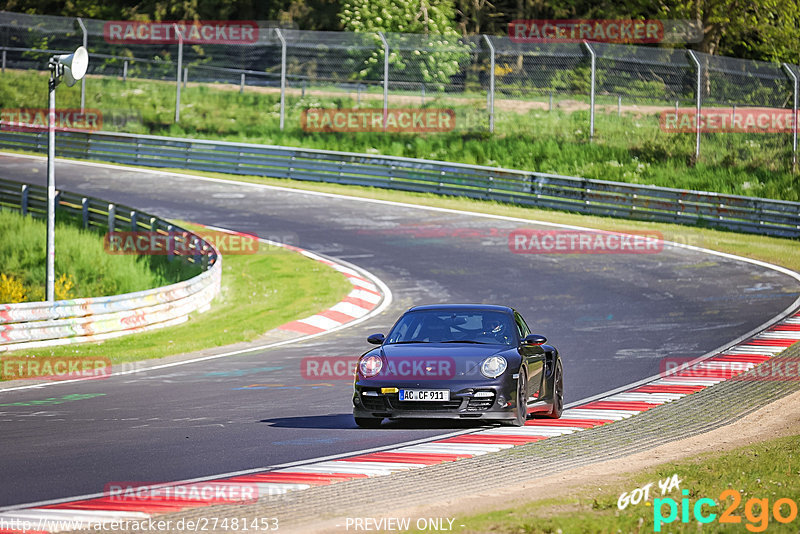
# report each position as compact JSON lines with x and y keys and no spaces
{"x":72,"y":67}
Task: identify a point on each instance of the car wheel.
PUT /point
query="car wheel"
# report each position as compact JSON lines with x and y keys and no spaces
{"x":368,"y":422}
{"x":558,"y":395}
{"x":522,"y":400}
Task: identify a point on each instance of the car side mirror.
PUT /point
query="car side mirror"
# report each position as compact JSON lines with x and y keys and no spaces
{"x":376,"y":339}
{"x":534,"y":339}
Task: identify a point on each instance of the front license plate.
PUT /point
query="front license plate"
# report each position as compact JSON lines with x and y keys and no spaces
{"x":425,"y":395}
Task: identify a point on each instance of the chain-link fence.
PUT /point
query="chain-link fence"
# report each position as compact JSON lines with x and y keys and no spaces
{"x":484,"y":84}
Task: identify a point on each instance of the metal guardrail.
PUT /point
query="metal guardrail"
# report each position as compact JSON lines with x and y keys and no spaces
{"x":540,"y":190}
{"x":42,"y":324}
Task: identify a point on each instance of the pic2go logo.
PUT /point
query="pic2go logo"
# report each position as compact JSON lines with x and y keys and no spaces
{"x":756,"y":511}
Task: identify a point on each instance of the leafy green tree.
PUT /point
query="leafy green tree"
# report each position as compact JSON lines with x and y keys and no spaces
{"x":432,"y":57}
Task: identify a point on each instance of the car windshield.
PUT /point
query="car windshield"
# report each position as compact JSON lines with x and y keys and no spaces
{"x":443,"y":326}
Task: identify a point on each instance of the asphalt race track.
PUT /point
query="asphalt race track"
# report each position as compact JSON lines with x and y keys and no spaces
{"x":614,"y":317}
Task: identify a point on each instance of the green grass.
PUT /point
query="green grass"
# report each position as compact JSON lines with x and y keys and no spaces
{"x":259,"y":292}
{"x":79,"y":254}
{"x":631,"y":148}
{"x":768,"y":470}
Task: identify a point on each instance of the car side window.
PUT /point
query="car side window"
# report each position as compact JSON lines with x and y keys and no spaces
{"x":522,"y":328}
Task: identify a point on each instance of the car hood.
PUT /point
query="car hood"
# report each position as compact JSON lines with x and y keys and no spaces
{"x":460,"y":359}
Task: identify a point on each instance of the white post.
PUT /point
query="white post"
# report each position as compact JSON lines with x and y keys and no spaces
{"x":491,"y":83}
{"x":51,"y":183}
{"x":178,"y":81}
{"x":593,"y":56}
{"x":241,"y":85}
{"x":83,"y":80}
{"x":385,"y":79}
{"x":699,"y":95}
{"x":279,"y":33}
{"x":793,"y":76}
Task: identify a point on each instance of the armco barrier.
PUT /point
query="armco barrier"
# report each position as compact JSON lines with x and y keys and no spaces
{"x":597,"y":197}
{"x":41,"y":324}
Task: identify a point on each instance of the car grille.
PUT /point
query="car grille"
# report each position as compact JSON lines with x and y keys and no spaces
{"x":373,"y":404}
{"x":480,"y":404}
{"x":424,"y":406}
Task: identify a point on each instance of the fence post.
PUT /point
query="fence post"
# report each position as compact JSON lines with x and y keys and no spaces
{"x":385,"y":80}
{"x":593,"y":57}
{"x":699,"y":96}
{"x":85,"y":211}
{"x":795,"y":88}
{"x":178,"y":81}
{"x":125,"y":71}
{"x":185,"y":76}
{"x":24,"y":200}
{"x":279,"y":33}
{"x":4,"y":60}
{"x":83,"y":80}
{"x":241,"y":85}
{"x":491,"y":83}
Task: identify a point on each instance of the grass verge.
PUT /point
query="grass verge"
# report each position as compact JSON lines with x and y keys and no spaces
{"x":80,"y":258}
{"x":765,"y":472}
{"x":259,"y":292}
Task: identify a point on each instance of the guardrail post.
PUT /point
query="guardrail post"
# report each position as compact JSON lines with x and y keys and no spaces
{"x":793,"y":76}
{"x":279,"y":33}
{"x":490,"y":94}
{"x":85,"y":211}
{"x":24,"y":200}
{"x":83,"y":80}
{"x":112,"y":217}
{"x":699,"y":99}
{"x":178,"y":81}
{"x":593,"y":57}
{"x":170,"y":243}
{"x":385,"y":80}
{"x":134,"y":223}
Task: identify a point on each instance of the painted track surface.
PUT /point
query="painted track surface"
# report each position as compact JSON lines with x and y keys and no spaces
{"x":614,"y":317}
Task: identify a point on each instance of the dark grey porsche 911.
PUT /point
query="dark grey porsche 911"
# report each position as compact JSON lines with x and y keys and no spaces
{"x":458,"y":361}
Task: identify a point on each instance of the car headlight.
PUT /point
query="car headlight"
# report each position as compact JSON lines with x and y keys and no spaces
{"x":370,"y":366}
{"x":494,"y":366}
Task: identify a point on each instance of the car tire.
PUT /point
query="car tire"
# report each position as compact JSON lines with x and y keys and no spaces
{"x":558,"y":395}
{"x":522,"y":400}
{"x":368,"y":422}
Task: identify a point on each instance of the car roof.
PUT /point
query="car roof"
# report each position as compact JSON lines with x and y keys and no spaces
{"x":462,"y":307}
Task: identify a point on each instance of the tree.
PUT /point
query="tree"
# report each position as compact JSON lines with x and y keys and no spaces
{"x":432,"y":57}
{"x":767,"y":29}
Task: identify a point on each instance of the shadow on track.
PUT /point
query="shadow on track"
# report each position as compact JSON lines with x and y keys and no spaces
{"x":345,"y":421}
